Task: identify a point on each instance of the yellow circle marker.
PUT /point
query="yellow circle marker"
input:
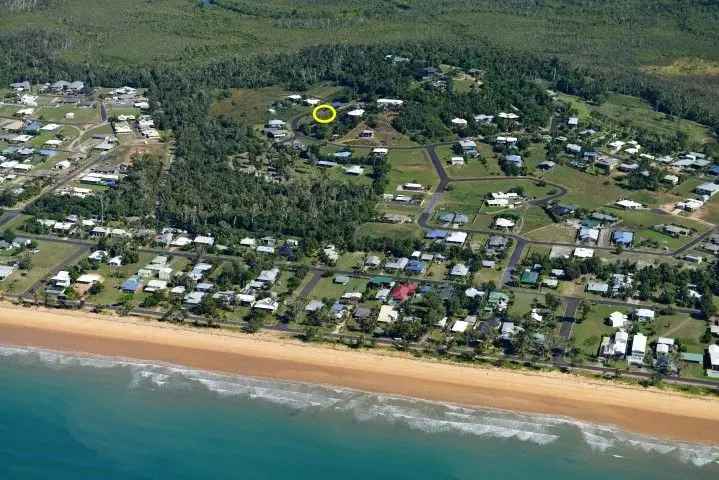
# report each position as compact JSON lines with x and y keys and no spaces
{"x":324,"y":106}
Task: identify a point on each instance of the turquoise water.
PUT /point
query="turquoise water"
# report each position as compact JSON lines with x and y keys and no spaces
{"x":69,"y":417}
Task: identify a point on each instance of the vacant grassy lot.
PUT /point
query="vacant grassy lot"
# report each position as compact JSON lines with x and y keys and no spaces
{"x":380,"y":230}
{"x":410,"y":166}
{"x":594,"y":191}
{"x":56,"y":114}
{"x":634,"y":112}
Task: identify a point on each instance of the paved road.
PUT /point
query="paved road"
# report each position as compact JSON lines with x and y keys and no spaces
{"x":307,"y":289}
{"x":513,"y":262}
{"x":570,"y":316}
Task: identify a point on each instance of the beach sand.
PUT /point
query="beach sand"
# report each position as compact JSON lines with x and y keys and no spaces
{"x":651,"y":412}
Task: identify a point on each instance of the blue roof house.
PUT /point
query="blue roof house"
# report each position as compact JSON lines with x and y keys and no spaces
{"x":131,"y":285}
{"x":623,"y":238}
{"x":437,"y":234}
{"x":415,"y":267}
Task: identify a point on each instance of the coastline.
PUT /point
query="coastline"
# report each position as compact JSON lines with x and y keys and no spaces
{"x":652,"y":412}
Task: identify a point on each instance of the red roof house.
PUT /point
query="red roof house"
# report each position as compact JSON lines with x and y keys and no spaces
{"x":403,"y":291}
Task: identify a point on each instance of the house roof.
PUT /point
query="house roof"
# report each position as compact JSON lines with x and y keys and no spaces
{"x":403,"y":291}
{"x":529,"y":276}
{"x":622,"y":236}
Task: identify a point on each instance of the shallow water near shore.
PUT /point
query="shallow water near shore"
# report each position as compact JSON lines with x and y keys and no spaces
{"x":69,"y":416}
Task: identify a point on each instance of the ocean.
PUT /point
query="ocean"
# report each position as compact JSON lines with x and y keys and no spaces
{"x":72,"y":417}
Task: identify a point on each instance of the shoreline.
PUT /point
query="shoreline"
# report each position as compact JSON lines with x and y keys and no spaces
{"x":652,"y":412}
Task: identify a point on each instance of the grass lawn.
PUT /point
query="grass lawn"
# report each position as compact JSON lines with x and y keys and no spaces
{"x":637,"y":113}
{"x":555,"y":232}
{"x":100,"y":130}
{"x":580,"y":106}
{"x":594,"y":191}
{"x":410,"y":166}
{"x":534,"y":218}
{"x":523,"y":303}
{"x":471,"y":194}
{"x":484,"y":166}
{"x":642,"y":221}
{"x":681,"y":327}
{"x":385,"y":135}
{"x":56,"y":114}
{"x":350,"y":260}
{"x":710,"y":212}
{"x":116,"y":111}
{"x":114,"y":278}
{"x":326,"y":288}
{"x":250,"y":105}
{"x":589,"y":332}
{"x":379,"y":230}
{"x":51,"y":255}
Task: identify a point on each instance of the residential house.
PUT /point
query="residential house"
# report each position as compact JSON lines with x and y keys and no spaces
{"x":387,"y":314}
{"x":598,"y":288}
{"x":459,"y":270}
{"x":708,"y":189}
{"x":131,"y":285}
{"x":457,"y":238}
{"x":623,"y":238}
{"x":618,"y":320}
{"x":644,"y":315}
{"x":628,"y":204}
{"x":639,"y":349}
{"x":615,"y":347}
{"x":403,"y":291}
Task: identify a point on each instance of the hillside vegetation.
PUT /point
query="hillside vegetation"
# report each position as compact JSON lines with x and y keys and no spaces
{"x":609,"y":32}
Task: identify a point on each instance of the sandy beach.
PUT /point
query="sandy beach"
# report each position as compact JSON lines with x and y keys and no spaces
{"x":645,"y":411}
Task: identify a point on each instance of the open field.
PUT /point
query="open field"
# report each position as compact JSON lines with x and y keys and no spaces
{"x":327,"y":288}
{"x":57,"y":113}
{"x":633,"y":112}
{"x":471,"y":194}
{"x":594,"y":191}
{"x":410,"y":166}
{"x":637,"y":113}
{"x":410,"y":230}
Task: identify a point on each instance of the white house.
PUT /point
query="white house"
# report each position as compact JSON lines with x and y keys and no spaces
{"x":583,"y":252}
{"x":618,"y":319}
{"x":629,"y":204}
{"x":387,"y":314}
{"x":501,"y":222}
{"x":457,"y":238}
{"x":644,"y":314}
{"x":639,"y":349}
{"x":459,"y":122}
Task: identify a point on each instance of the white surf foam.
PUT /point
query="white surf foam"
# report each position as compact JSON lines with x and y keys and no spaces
{"x":425,"y":416}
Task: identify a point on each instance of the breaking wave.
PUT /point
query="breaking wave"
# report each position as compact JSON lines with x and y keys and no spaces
{"x":425,"y":416}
